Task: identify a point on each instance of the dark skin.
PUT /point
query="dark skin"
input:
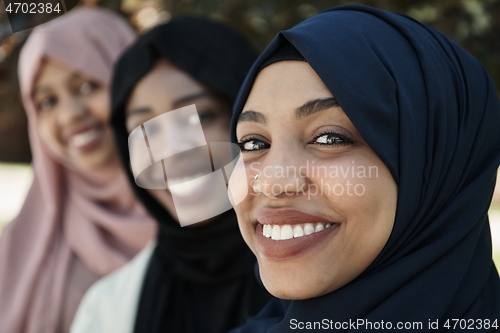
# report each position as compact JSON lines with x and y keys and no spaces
{"x":287,"y":122}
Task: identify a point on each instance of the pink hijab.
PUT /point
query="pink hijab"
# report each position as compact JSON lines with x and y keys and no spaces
{"x":67,"y":214}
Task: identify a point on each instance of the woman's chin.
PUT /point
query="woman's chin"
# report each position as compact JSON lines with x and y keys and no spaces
{"x":293,"y":286}
{"x":294,"y":291}
{"x":94,"y":162}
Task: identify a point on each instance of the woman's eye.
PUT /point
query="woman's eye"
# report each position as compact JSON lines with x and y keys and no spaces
{"x":252,"y":144}
{"x":47,"y":103}
{"x":331,"y":139}
{"x":202,"y":117}
{"x":87,"y":87}
{"x":192,"y":120}
{"x":207,"y":116}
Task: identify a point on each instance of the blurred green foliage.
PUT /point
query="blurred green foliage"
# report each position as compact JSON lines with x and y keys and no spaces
{"x":474,"y":24}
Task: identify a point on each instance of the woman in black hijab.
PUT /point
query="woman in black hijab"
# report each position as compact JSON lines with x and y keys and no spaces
{"x":198,"y":278}
{"x":405,"y":247}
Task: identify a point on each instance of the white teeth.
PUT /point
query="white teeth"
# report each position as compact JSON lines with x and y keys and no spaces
{"x":276,"y":234}
{"x":81,"y":139}
{"x":189,"y":186}
{"x":297,"y":231}
{"x":287,"y":231}
{"x":267,"y":231}
{"x":309,"y":228}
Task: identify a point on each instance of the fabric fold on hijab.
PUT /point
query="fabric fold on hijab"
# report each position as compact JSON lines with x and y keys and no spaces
{"x":431,"y":113}
{"x":200,"y":279}
{"x":68,"y":216}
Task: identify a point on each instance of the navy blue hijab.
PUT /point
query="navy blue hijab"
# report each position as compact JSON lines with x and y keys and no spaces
{"x":431,"y":113}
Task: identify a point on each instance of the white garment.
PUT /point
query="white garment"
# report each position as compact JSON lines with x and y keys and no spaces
{"x":110,"y":304}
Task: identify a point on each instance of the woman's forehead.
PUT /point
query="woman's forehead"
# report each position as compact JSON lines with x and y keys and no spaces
{"x":285,"y":85}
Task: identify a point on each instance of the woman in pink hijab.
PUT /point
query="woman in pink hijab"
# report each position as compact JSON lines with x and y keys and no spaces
{"x":80,"y":220}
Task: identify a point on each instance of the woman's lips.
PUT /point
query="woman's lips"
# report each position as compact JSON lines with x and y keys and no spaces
{"x":282,"y":234}
{"x":286,"y":216}
{"x":86,"y":139}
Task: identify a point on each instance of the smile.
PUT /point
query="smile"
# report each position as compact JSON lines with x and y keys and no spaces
{"x":86,"y":139}
{"x":287,"y":231}
{"x":186,"y":186}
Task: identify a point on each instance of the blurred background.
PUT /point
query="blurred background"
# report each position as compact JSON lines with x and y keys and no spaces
{"x":474,"y":24}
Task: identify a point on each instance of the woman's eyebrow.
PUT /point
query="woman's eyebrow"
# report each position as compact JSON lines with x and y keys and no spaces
{"x":305,"y":110}
{"x":73,"y":77}
{"x":314,"y":106}
{"x":140,"y":110}
{"x":252,"y":116}
{"x":189,"y":98}
{"x":40,"y":90}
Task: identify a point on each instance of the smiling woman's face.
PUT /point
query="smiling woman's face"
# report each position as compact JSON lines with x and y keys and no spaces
{"x":323,"y":204}
{"x":73,"y":113}
{"x":166,"y":88}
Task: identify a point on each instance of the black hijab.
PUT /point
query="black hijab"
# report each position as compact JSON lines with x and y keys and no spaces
{"x":199,"y":279}
{"x":431,"y":113}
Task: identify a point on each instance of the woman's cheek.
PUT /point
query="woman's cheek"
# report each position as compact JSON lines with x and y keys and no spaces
{"x":346,"y":180}
{"x":99,"y":105}
{"x":47,"y":126}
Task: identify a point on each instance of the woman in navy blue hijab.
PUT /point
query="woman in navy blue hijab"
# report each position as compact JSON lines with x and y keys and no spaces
{"x":402,"y":125}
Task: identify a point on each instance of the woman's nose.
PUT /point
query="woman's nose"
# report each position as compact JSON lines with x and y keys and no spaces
{"x":72,"y":109}
{"x":284,"y":173}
